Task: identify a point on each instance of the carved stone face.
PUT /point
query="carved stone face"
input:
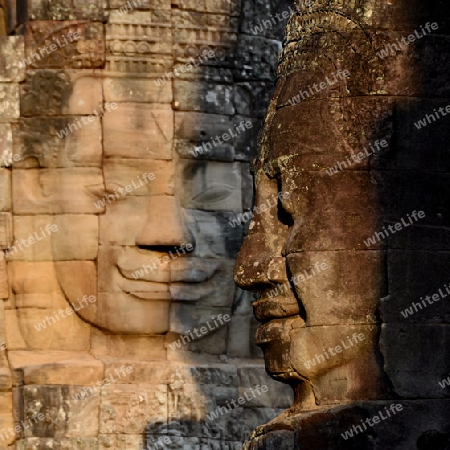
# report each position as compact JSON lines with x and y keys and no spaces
{"x":319,"y":284}
{"x":155,"y":243}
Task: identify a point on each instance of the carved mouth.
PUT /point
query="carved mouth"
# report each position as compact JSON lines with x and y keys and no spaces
{"x":278,"y":329}
{"x":267,"y":309}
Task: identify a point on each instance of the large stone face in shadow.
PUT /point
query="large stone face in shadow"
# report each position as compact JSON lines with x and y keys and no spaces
{"x":351,"y":265}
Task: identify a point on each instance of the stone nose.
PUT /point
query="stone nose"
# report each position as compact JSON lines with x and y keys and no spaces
{"x":165,"y":224}
{"x":256,"y":268}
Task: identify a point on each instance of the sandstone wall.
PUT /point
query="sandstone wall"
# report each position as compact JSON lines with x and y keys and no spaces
{"x":80,"y":121}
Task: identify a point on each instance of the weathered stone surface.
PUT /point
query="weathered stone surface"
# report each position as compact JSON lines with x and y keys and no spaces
{"x":142,"y":176}
{"x":255,"y":58}
{"x":415,"y":284}
{"x":62,"y":245}
{"x":75,"y":9}
{"x":54,"y":45}
{"x":139,"y":32}
{"x":265,"y":19}
{"x":6,"y":419}
{"x":36,"y":142}
{"x":207,"y":227}
{"x":136,"y":91}
{"x":5,"y":144}
{"x":413,"y":374}
{"x":5,"y":190}
{"x":411,"y":146}
{"x":324,"y":428}
{"x":205,"y":97}
{"x":318,"y":287}
{"x":9,"y":102}
{"x":64,"y":175}
{"x":123,"y":347}
{"x":126,"y":124}
{"x":230,"y":8}
{"x":195,"y":32}
{"x":56,"y":191}
{"x":59,"y":407}
{"x":5,"y":230}
{"x":130,"y":231}
{"x":56,"y":367}
{"x":125,"y":409}
{"x":73,"y":92}
{"x":210,"y":186}
{"x":4,"y":286}
{"x":11,"y":56}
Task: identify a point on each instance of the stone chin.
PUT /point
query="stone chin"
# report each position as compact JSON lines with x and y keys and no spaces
{"x":295,"y":352}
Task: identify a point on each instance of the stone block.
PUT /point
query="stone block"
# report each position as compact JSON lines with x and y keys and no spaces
{"x":139,"y":33}
{"x":120,"y":441}
{"x":5,"y":144}
{"x":210,"y":186}
{"x":325,"y":203}
{"x":6,"y":419}
{"x":5,"y":190}
{"x":266,"y":19}
{"x":127,"y":409}
{"x":122,"y":313}
{"x":186,"y":149}
{"x":194,"y":32}
{"x":200,"y":127}
{"x":56,"y":191}
{"x":78,"y":282}
{"x":278,"y":395}
{"x":413,"y":276}
{"x":4,"y":286}
{"x":49,"y":367}
{"x":203,"y":97}
{"x":416,"y":374}
{"x":136,"y":90}
{"x":14,"y":338}
{"x":120,"y":173}
{"x":339,"y":286}
{"x":167,"y":228}
{"x":5,"y":229}
{"x":256,"y":58}
{"x":410,"y":149}
{"x":68,"y":417}
{"x":9,"y":102}
{"x":146,"y":129}
{"x":135,"y":348}
{"x":157,"y":5}
{"x":53,"y":45}
{"x":215,"y":234}
{"x":49,"y":329}
{"x":12,"y":54}
{"x":76,"y":238}
{"x":403,"y":192}
{"x":37,"y":144}
{"x":71,"y":92}
{"x":72,"y":10}
{"x":245,"y":142}
{"x":296,"y":129}
{"x":230,"y":8}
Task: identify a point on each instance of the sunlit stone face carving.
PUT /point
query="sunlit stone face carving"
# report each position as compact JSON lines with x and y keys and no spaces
{"x":155,"y":229}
